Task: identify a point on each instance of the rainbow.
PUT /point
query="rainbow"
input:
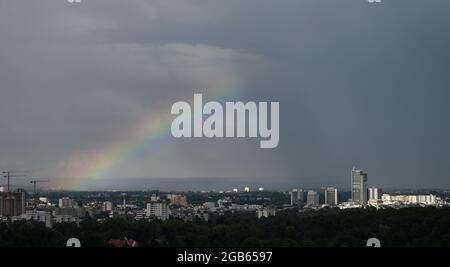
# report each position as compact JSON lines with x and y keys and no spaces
{"x":149,"y":134}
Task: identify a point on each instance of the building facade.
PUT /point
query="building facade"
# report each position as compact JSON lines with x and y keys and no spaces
{"x":359,"y":187}
{"x":66,"y":202}
{"x":177,"y":199}
{"x":266,"y":212}
{"x":331,"y":196}
{"x":296,"y":197}
{"x":107,"y":206}
{"x":312,"y":199}
{"x":12,"y":203}
{"x":372,"y":193}
{"x":157,"y":210}
{"x":39,"y":216}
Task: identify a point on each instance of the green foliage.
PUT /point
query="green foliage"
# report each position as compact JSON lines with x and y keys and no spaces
{"x":28,"y":234}
{"x":403,"y":227}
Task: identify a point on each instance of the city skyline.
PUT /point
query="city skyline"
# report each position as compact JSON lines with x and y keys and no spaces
{"x":57,"y":210}
{"x":203,"y":184}
{"x":361,"y":191}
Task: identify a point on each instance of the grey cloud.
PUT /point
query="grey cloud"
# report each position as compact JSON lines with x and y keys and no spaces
{"x":358,"y":85}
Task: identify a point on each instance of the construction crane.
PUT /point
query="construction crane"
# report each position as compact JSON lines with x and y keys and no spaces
{"x":34,"y":182}
{"x":13,"y":174}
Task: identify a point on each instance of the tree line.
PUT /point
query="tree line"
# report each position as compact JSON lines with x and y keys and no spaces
{"x":418,"y":226}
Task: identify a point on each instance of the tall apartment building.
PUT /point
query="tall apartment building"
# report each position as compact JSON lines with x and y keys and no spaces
{"x":157,"y":210}
{"x":12,"y":203}
{"x":359,"y":187}
{"x":331,"y":196}
{"x":312,"y":199}
{"x":296,"y":197}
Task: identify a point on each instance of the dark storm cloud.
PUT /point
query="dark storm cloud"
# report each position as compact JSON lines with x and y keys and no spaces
{"x":358,"y":84}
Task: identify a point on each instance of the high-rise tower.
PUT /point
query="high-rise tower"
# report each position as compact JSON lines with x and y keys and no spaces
{"x":359,"y":187}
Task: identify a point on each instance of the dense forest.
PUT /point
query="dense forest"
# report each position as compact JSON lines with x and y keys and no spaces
{"x":402,"y":227}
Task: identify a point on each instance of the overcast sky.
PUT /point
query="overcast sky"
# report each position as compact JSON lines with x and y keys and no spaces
{"x":359,"y":84}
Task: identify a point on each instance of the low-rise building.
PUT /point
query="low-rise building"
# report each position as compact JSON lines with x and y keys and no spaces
{"x":266,"y":213}
{"x":39,"y":216}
